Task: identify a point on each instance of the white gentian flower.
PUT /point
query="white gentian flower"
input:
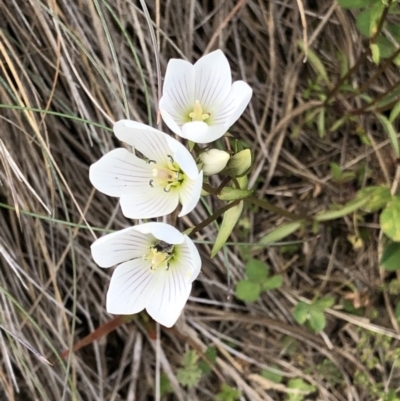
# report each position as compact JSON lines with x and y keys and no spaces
{"x":214,"y":161}
{"x":199,"y":101}
{"x":157,"y":265}
{"x":152,"y":185}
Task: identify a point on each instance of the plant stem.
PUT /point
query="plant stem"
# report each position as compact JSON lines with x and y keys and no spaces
{"x":382,"y":68}
{"x":376,"y":100}
{"x":275,"y":209}
{"x":214,"y":216}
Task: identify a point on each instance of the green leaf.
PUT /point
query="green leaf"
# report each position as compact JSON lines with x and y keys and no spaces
{"x":367,"y":21}
{"x":303,"y":389}
{"x":391,"y":133}
{"x":395,"y":112}
{"x":190,"y":374}
{"x":323,"y":303}
{"x":211,"y":355}
{"x":386,"y":47}
{"x":317,"y":320}
{"x":336,"y":171}
{"x":227,"y":394}
{"x":256,"y":271}
{"x":190,"y":359}
{"x":165,"y":385}
{"x":377,"y":197}
{"x":348,"y":208}
{"x":281,"y":232}
{"x":391,"y":257}
{"x":301,"y":312}
{"x":375,"y":52}
{"x":339,"y":176}
{"x":272,"y":375}
{"x":355,"y":3}
{"x":321,"y":124}
{"x":229,"y":221}
{"x":390,"y":219}
{"x":248,"y":291}
{"x":272,"y":283}
{"x":229,"y":193}
{"x":315,"y":61}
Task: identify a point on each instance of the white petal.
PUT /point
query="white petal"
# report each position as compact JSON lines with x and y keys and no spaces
{"x":189,"y":256}
{"x":147,"y":140}
{"x":213,"y":133}
{"x":120,"y":172}
{"x":162,"y":231}
{"x":178,"y":90}
{"x":189,"y":194}
{"x":214,"y":161}
{"x":213,"y":80}
{"x":171,"y":124}
{"x":197,"y":131}
{"x":120,"y":246}
{"x":130,"y":287}
{"x":233,"y":107}
{"x":183,"y":157}
{"x":171,"y":291}
{"x":149,"y":202}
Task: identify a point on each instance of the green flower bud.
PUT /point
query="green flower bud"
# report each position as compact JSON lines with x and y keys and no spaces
{"x":239,"y":164}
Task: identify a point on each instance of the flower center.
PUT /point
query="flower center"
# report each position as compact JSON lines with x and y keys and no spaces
{"x":197,"y":113}
{"x":168,"y":176}
{"x":159,"y":254}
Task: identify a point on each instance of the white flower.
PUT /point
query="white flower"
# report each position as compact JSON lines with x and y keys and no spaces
{"x":157,"y":265}
{"x":199,"y":101}
{"x":214,"y":161}
{"x":151,"y":186}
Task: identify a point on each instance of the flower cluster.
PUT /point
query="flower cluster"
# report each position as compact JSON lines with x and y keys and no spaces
{"x":156,"y":263}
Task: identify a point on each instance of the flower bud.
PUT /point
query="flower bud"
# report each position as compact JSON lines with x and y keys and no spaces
{"x":214,"y":161}
{"x":239,"y":164}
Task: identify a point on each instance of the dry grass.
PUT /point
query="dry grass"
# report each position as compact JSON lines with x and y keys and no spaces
{"x":68,"y":70}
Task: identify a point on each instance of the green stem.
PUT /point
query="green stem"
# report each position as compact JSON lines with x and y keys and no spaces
{"x":382,"y":68}
{"x":214,"y":216}
{"x":365,"y":108}
{"x":211,"y":190}
{"x":223,"y":184}
{"x":271,"y":208}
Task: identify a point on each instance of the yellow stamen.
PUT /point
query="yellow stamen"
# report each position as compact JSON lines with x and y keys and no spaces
{"x":159,"y":256}
{"x":197,"y":113}
{"x":166,"y":176}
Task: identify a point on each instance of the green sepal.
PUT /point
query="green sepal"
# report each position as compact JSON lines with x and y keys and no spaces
{"x":229,"y":221}
{"x":229,"y":193}
{"x":239,"y":164}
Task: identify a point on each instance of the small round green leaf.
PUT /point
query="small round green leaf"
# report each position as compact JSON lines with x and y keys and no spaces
{"x":247,"y":291}
{"x":272,"y":283}
{"x":317,"y":320}
{"x":301,"y":312}
{"x":256,"y":271}
{"x":323,"y":303}
{"x":391,"y":257}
